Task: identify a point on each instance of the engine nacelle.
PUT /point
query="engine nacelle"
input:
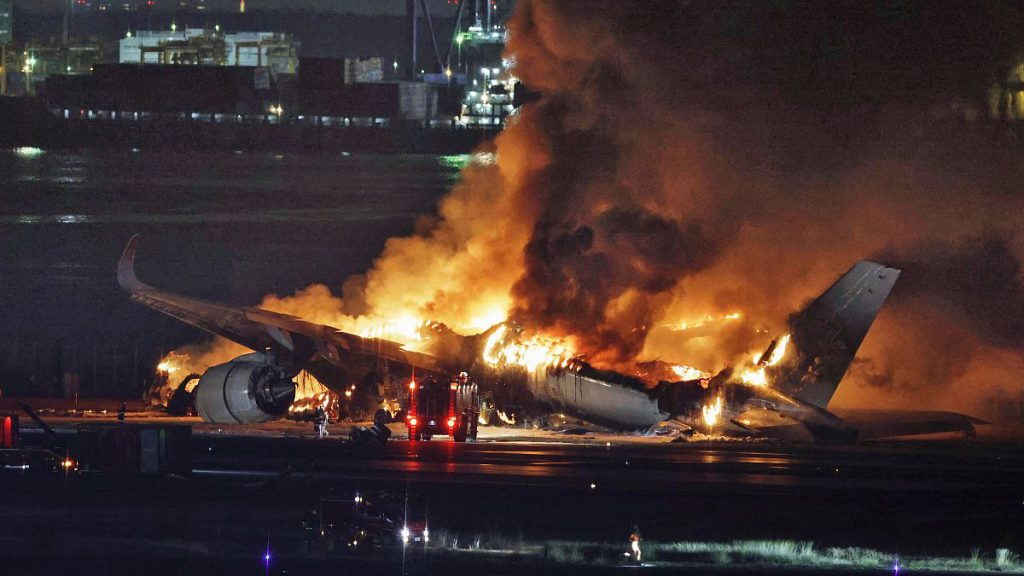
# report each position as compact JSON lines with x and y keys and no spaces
{"x":247,"y":390}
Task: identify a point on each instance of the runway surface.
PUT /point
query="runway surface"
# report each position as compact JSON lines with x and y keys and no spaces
{"x":894,"y":466}
{"x":933,"y":497}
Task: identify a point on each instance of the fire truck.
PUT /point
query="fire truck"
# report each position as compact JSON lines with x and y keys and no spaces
{"x":438,"y":408}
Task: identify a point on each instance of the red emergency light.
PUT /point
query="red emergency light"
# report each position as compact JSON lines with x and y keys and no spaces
{"x":8,"y":431}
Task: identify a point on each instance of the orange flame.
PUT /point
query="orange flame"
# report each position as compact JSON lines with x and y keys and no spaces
{"x":689,"y":373}
{"x":755,"y":375}
{"x":704,"y":320}
{"x":505,"y":350}
{"x":713,"y":411}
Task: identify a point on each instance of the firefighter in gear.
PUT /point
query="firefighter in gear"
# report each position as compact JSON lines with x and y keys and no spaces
{"x":634,"y":544}
{"x":320,"y":422}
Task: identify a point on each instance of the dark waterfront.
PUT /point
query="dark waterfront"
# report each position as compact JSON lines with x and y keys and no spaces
{"x":222,"y":226}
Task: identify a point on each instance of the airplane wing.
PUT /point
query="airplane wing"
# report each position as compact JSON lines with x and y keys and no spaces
{"x":258,"y":329}
{"x":877,"y":424}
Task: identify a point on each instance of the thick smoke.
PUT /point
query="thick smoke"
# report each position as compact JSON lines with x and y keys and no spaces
{"x":692,"y":160}
{"x":708,"y":158}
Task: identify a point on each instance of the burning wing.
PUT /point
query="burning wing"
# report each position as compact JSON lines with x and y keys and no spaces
{"x":290,"y":339}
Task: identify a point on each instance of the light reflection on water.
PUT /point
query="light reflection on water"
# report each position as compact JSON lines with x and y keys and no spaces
{"x":297,"y":216}
{"x":192,"y":188}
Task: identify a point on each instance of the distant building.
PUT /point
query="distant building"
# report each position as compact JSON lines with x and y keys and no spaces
{"x":363,"y":70}
{"x":135,"y":5}
{"x":40,"y":60}
{"x":195,"y":46}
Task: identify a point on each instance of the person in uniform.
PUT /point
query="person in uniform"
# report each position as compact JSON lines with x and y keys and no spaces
{"x":634,"y":543}
{"x":320,"y":422}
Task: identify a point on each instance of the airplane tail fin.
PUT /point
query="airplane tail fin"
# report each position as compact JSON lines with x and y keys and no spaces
{"x":826,"y":334}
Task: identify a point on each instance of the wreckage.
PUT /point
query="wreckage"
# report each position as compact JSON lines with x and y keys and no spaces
{"x":785,"y":393}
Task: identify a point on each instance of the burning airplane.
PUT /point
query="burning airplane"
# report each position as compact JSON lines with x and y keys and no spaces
{"x":783,"y":392}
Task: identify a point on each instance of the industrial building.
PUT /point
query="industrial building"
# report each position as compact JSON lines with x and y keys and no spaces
{"x":210,"y":47}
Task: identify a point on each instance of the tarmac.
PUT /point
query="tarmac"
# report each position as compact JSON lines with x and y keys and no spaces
{"x":511,"y":502}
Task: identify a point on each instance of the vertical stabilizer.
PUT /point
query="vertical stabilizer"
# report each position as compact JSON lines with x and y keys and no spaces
{"x":827,"y":333}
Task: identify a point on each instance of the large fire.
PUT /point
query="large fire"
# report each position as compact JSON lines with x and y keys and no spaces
{"x":704,"y":320}
{"x":310,"y":394}
{"x":504,"y":350}
{"x":608,"y":210}
{"x":754,"y":375}
{"x":178,"y":365}
{"x":406,"y":330}
{"x":688,"y":373}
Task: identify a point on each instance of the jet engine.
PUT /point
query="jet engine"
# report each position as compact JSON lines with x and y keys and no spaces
{"x":247,"y":390}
